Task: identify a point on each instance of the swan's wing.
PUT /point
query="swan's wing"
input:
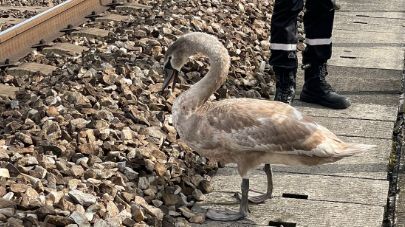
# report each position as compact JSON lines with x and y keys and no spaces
{"x":267,"y":126}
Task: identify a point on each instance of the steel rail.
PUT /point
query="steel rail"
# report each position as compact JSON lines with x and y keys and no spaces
{"x":17,"y":41}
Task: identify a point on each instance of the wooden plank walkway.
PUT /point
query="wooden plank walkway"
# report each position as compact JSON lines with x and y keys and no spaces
{"x":366,"y":66}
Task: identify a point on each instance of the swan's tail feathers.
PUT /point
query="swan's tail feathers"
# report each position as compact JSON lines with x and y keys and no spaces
{"x":355,"y":148}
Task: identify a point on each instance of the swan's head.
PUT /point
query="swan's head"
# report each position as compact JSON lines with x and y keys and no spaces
{"x":176,"y":56}
{"x":171,"y":74}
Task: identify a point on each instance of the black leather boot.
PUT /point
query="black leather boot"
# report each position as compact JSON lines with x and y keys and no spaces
{"x":285,"y":84}
{"x":317,"y":90}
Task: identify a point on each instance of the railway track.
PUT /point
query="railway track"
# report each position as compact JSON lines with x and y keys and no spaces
{"x":37,"y":27}
{"x":12,"y":15}
{"x":13,"y":12}
{"x":16,"y":41}
{"x":39,"y":34}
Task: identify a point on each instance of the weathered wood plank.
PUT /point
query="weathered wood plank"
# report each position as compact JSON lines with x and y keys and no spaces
{"x":369,"y":27}
{"x":372,"y":5}
{"x":359,"y":79}
{"x":316,"y":187}
{"x":358,"y":127}
{"x":301,"y":212}
{"x":368,"y":57}
{"x":356,"y":111}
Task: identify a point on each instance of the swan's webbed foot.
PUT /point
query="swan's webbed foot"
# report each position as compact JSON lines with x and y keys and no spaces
{"x":260,"y":198}
{"x":226,"y":215}
{"x":256,"y":199}
{"x":231,"y":215}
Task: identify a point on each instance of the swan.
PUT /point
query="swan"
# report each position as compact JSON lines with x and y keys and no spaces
{"x":248,"y":132}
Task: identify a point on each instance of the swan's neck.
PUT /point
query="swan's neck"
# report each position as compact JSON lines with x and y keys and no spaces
{"x":200,"y":92}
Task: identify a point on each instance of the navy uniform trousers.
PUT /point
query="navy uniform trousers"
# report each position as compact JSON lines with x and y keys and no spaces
{"x":318,"y":24}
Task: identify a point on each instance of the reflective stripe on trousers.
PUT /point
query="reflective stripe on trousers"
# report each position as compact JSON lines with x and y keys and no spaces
{"x":318,"y":24}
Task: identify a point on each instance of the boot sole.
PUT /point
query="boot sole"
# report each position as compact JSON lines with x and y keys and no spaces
{"x":309,"y":99}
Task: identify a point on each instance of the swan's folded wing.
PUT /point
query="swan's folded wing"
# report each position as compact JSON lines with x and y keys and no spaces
{"x":276,"y":128}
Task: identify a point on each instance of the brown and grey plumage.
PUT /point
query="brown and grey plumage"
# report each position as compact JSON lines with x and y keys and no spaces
{"x":248,"y":132}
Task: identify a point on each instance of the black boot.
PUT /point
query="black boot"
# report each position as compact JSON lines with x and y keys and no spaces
{"x":285,"y":84}
{"x":317,"y":90}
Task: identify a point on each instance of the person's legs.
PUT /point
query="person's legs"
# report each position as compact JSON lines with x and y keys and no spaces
{"x":283,"y":44}
{"x":318,"y":25}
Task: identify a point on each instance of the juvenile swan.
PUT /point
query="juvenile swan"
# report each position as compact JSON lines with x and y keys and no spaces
{"x":247,"y":132}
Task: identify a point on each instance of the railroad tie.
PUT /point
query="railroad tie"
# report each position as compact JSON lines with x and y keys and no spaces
{"x":65,"y":49}
{"x":31,"y":68}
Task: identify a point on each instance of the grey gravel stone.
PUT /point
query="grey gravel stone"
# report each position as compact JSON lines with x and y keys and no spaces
{"x":79,"y":219}
{"x":82,"y":198}
{"x":143,"y":183}
{"x":132,"y":175}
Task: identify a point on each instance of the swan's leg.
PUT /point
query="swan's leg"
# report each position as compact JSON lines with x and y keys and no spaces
{"x":244,"y":209}
{"x":230,"y":215}
{"x":268,"y":194}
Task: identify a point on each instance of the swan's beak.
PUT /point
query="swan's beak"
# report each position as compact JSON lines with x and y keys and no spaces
{"x":170,"y":75}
